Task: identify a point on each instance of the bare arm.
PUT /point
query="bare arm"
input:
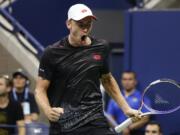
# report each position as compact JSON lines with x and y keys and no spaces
{"x":31,"y":117}
{"x":41,"y":93}
{"x":21,"y":127}
{"x":53,"y":113}
{"x":139,"y":123}
{"x":34,"y":116}
{"x":113,"y":90}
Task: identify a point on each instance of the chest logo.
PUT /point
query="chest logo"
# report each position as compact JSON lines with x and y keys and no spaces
{"x":84,"y":10}
{"x":97,"y":57}
{"x":135,"y":99}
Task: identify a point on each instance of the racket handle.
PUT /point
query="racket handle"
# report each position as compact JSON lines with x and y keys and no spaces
{"x":123,"y":125}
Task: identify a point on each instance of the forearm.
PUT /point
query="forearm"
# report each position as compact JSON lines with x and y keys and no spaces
{"x":22,"y":131}
{"x":113,"y":90}
{"x":139,"y":123}
{"x":21,"y":127}
{"x":34,"y":116}
{"x":42,"y":99}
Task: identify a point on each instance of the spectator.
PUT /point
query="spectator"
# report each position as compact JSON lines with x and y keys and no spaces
{"x":11,"y":113}
{"x":133,"y":97}
{"x":21,"y":93}
{"x":153,"y":128}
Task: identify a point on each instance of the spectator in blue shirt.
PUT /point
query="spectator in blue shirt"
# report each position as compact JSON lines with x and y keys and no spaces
{"x":133,"y":98}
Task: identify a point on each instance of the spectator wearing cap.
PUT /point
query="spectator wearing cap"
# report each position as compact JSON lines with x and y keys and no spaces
{"x":11,"y":113}
{"x":21,"y":93}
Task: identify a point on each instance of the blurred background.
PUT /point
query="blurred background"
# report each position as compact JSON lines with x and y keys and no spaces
{"x":143,"y":34}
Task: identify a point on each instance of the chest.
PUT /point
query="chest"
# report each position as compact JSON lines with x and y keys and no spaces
{"x":6,"y":116}
{"x":134,"y":101}
{"x":78,"y":60}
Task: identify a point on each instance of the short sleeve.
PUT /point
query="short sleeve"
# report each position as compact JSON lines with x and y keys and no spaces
{"x":19,"y":112}
{"x":46,"y":66}
{"x":33,"y":104}
{"x":105,"y":68}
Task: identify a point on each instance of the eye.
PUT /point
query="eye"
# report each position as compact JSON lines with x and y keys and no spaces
{"x":84,"y":24}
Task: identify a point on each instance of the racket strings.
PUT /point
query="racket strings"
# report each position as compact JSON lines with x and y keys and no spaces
{"x":160,"y":100}
{"x":163,"y":97}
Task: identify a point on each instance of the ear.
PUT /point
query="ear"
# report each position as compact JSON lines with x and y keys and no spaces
{"x":68,"y":24}
{"x":136,"y":82}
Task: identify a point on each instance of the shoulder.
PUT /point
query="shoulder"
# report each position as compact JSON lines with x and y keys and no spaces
{"x":100,"y":42}
{"x":52,"y":49}
{"x":137,"y":93}
{"x":57,"y":45}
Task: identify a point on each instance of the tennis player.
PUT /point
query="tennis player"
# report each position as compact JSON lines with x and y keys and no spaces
{"x":70,"y":72}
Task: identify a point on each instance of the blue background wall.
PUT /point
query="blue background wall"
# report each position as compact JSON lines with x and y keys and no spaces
{"x":45,"y":19}
{"x":152,"y":49}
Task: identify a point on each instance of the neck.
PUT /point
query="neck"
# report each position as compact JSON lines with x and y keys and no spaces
{"x":4,"y":100}
{"x":19,"y":90}
{"x":76,"y":43}
{"x":128,"y":92}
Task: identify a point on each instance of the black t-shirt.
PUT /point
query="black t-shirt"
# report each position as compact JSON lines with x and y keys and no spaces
{"x":74,"y":74}
{"x":9,"y":116}
{"x":30,"y":99}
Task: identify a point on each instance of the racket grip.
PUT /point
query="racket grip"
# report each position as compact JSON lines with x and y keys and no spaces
{"x":123,"y":125}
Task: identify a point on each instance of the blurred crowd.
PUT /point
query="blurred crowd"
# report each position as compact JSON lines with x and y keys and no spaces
{"x":18,"y":107}
{"x":17,"y":103}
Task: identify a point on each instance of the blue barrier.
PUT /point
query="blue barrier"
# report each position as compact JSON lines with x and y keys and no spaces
{"x":37,"y":129}
{"x":31,"y":128}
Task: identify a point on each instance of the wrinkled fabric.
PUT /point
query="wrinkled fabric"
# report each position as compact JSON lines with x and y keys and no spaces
{"x":74,"y":74}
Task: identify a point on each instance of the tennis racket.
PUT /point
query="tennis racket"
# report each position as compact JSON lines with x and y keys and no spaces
{"x":163,"y":95}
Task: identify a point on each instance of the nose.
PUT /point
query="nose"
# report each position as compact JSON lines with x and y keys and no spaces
{"x":85,"y":30}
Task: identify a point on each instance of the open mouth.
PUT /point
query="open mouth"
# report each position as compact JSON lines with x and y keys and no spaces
{"x":83,"y":38}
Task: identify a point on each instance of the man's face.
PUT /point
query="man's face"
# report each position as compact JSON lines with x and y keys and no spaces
{"x":19,"y":82}
{"x":152,"y":130}
{"x":80,"y":28}
{"x":128,"y":81}
{"x":3,"y":87}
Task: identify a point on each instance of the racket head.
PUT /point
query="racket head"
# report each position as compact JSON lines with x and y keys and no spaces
{"x":163,"y":97}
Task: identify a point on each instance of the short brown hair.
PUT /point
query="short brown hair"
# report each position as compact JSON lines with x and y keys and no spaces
{"x":130,"y":72}
{"x":155,"y":123}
